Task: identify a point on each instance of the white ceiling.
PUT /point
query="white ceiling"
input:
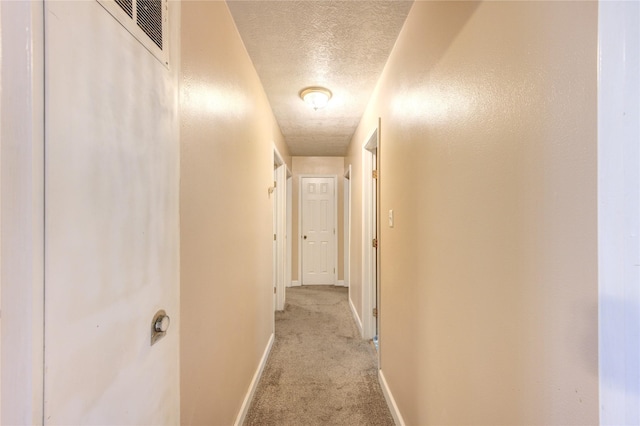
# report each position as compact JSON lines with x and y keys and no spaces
{"x":341,"y":45}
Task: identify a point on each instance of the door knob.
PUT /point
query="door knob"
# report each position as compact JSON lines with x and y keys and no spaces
{"x":305,"y":237}
{"x":159,"y":326}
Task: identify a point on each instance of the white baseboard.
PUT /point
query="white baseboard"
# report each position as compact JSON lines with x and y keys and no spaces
{"x":254,"y":384}
{"x":295,"y":283}
{"x":355,"y":316}
{"x":340,"y":283}
{"x":395,"y":412}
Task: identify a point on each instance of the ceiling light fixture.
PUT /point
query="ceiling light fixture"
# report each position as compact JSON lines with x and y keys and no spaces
{"x":316,"y":97}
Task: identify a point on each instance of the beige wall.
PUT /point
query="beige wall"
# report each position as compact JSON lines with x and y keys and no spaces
{"x":227,"y":130}
{"x":488,"y":159}
{"x":316,"y":166}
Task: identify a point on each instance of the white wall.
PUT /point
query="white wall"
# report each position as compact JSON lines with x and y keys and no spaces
{"x":619,"y":211}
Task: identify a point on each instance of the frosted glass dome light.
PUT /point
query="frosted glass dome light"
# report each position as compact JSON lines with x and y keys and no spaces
{"x":316,"y":97}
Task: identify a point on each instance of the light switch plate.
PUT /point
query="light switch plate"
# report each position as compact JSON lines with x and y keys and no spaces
{"x":390,"y":218}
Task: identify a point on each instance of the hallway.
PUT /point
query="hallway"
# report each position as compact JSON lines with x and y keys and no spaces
{"x":495,"y":249}
{"x":320,"y":372}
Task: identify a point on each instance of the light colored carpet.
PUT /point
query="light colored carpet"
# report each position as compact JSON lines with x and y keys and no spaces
{"x":320,"y":371}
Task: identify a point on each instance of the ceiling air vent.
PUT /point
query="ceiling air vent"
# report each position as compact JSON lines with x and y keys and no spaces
{"x":146,"y":20}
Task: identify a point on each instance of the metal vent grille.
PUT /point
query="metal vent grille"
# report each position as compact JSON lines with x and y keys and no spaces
{"x":146,"y":20}
{"x":127,"y":6}
{"x":149,"y":14}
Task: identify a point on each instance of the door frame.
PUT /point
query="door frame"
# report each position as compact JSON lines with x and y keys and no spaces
{"x":618,"y":208}
{"x":22,"y":220}
{"x":370,"y":260}
{"x":335,"y":222}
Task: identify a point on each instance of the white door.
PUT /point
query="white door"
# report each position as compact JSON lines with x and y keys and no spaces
{"x":347,"y":226}
{"x":370,"y":261}
{"x":111,"y":223}
{"x":375,"y":275}
{"x":279,"y":196}
{"x":318,"y":230}
{"x":274,"y":206}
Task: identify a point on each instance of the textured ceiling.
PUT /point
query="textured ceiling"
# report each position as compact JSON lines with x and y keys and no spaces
{"x":341,"y":45}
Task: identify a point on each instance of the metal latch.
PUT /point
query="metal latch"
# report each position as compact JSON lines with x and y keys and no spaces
{"x":159,"y":326}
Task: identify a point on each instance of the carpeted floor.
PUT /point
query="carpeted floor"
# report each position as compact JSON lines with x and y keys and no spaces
{"x":320,"y":372}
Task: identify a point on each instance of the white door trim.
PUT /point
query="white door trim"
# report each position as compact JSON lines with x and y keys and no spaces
{"x":618,"y":211}
{"x":22,"y":226}
{"x":368,"y":252}
{"x":335,"y":222}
